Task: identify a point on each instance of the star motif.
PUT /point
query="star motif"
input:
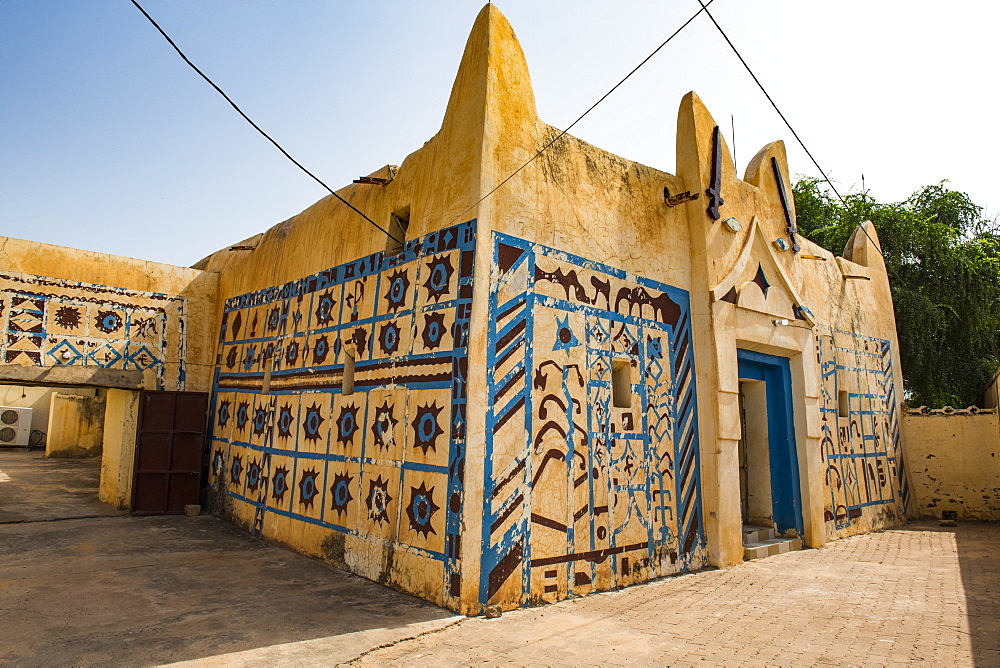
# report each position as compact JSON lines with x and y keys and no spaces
{"x":434,"y":330}
{"x":313,"y":421}
{"x":347,"y":424}
{"x":378,"y":500}
{"x":340,"y":493}
{"x":421,"y":509}
{"x":439,"y":277}
{"x":285,"y":421}
{"x":426,"y":428}
{"x":279,"y":483}
{"x":395,"y":295}
{"x":565,"y":339}
{"x":307,"y":487}
{"x":383,"y":424}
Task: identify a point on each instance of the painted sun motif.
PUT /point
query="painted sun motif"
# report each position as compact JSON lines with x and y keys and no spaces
{"x":292,"y":353}
{"x":68,"y":317}
{"x":340,"y":493}
{"x":434,"y":330}
{"x":108,"y":321}
{"x":285,"y":422}
{"x":388,"y":338}
{"x":279,"y":484}
{"x":223,"y":413}
{"x":395,"y":295}
{"x":383,"y":424}
{"x":273,"y":319}
{"x":260,"y":421}
{"x":426,"y":428}
{"x":378,"y":500}
{"x":321,"y":348}
{"x":242,"y":415}
{"x":307,"y":487}
{"x":421,"y":509}
{"x":253,"y":475}
{"x":236,"y":470}
{"x":347,"y":424}
{"x":324,"y":308}
{"x":312,"y":422}
{"x":439,"y":275}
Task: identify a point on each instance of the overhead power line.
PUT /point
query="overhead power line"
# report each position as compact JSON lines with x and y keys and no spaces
{"x":826,"y":178}
{"x":704,"y":8}
{"x":257,"y":127}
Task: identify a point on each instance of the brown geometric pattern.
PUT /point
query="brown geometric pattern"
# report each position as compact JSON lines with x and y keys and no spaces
{"x":48,"y":322}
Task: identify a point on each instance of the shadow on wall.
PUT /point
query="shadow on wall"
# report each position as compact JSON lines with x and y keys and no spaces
{"x":37,"y":398}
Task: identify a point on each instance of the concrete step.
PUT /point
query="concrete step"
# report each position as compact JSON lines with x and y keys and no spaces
{"x":756,"y":534}
{"x":770,"y":547}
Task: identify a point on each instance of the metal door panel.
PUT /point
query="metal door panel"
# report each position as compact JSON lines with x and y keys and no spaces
{"x":170,"y":445}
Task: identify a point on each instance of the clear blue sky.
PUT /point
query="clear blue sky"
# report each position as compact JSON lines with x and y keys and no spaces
{"x":109,"y":142}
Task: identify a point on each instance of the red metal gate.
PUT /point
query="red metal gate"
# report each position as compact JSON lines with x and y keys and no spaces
{"x":169,"y":447}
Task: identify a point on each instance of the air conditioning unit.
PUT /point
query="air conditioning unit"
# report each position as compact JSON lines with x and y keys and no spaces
{"x":15,"y":426}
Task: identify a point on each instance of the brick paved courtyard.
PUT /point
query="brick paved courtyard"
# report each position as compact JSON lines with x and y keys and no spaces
{"x":918,"y":594}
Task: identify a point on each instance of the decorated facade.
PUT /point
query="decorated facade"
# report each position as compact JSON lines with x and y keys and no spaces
{"x":596,"y":374}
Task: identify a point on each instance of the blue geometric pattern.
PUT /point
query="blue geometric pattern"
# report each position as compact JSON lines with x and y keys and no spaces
{"x":582,"y":493}
{"x":47,"y":322}
{"x":861,"y":450}
{"x":386,"y":462}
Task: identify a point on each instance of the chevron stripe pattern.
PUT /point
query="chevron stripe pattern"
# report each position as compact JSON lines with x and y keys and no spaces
{"x":592,"y":466}
{"x":865,"y":480}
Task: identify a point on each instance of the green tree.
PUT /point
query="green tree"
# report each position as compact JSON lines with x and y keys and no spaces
{"x":943,"y":261}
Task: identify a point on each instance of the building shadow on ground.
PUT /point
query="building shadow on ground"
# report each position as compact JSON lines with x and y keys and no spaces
{"x":81,"y":583}
{"x":976,"y":544}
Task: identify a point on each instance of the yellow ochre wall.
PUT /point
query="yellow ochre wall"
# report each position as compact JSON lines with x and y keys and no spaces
{"x":118,"y":458}
{"x":76,"y":426}
{"x":578,"y":266}
{"x":37,"y":398}
{"x":121,"y":322}
{"x":953,"y":462}
{"x":575,"y":207}
{"x":545,"y":385}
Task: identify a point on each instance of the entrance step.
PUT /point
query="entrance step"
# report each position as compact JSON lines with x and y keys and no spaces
{"x":759,"y":542}
{"x":756,"y":534}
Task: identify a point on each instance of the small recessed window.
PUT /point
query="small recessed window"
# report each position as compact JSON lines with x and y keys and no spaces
{"x":621,"y":383}
{"x":843,"y":404}
{"x":347,"y":385}
{"x":399,"y":223}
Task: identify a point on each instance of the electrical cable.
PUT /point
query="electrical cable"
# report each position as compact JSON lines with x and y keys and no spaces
{"x":590,"y":109}
{"x":255,"y":126}
{"x":785,"y":120}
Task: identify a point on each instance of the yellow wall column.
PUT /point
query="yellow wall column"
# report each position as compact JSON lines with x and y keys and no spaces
{"x":118,"y":461}
{"x":76,"y":426}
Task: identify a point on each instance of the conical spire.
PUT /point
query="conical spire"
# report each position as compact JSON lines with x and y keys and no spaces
{"x":492,"y":79}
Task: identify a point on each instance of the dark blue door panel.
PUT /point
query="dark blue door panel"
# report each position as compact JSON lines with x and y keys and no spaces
{"x":785,"y":490}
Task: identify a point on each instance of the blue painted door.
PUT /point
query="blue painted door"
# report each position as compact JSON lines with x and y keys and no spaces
{"x":785,"y":490}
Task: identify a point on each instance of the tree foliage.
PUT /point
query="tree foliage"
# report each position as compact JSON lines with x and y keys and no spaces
{"x":943,"y":261}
